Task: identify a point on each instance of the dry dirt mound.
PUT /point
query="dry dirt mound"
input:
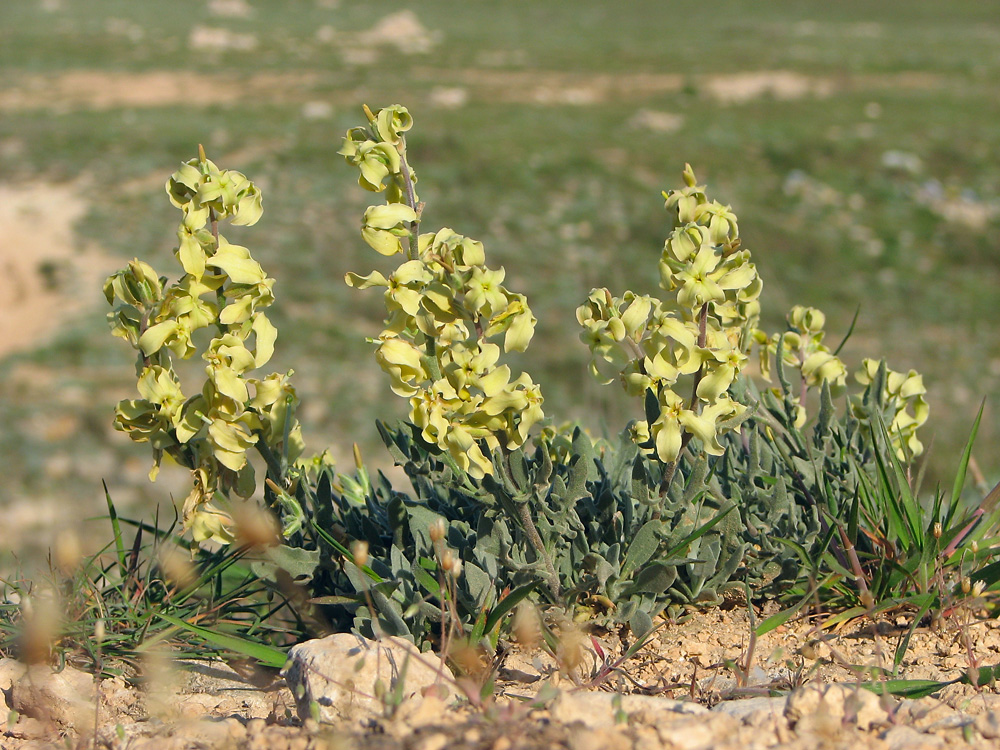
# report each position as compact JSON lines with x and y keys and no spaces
{"x":46,"y":274}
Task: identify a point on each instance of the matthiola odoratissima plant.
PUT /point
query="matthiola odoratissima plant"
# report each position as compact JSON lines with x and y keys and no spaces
{"x":617,"y":529}
{"x":687,"y":349}
{"x":444,"y":306}
{"x":223,"y":287}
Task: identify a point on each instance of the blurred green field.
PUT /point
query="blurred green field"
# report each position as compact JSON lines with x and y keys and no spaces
{"x":857,"y":142}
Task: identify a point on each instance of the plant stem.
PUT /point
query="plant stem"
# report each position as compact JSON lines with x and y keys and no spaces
{"x":668,"y":476}
{"x":411,"y":201}
{"x":524,"y":515}
{"x":695,"y":405}
{"x":702,"y":341}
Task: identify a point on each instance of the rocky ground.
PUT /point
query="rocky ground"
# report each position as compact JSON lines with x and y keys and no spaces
{"x":701,"y":683}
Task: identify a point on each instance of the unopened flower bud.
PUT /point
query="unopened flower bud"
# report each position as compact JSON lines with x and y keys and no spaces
{"x":456,"y":568}
{"x":966,"y":584}
{"x":974,"y":547}
{"x":938,"y":530}
{"x":99,"y":631}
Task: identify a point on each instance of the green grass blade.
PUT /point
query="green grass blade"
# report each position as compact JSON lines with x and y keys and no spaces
{"x":775,"y":620}
{"x":984,"y":675}
{"x":117,"y":529}
{"x":906,"y":688}
{"x":508,"y":603}
{"x":963,"y":466}
{"x":268,"y":656}
{"x":699,"y":532}
{"x":904,"y":642}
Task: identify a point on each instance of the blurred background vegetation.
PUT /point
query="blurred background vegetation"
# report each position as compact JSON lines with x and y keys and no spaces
{"x":857,"y":142}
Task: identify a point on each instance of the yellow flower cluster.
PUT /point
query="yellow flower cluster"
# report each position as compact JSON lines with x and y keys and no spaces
{"x":444,"y":305}
{"x":222,"y":285}
{"x":700,"y":335}
{"x":802,"y":349}
{"x":900,"y":393}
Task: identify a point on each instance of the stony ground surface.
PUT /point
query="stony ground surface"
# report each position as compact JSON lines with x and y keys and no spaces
{"x":701,"y":683}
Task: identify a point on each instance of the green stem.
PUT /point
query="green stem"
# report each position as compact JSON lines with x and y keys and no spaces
{"x":524,"y":516}
{"x":411,"y":201}
{"x":668,"y":474}
{"x":272,"y":461}
{"x":528,"y":524}
{"x":702,"y":341}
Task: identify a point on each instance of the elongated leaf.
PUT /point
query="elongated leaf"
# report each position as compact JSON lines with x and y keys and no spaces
{"x":335,"y":599}
{"x":780,"y":618}
{"x":963,"y":466}
{"x":904,"y":642}
{"x":265,"y":655}
{"x":984,"y":675}
{"x":906,"y":688}
{"x":508,"y":603}
{"x":117,"y":529}
{"x":699,"y":532}
{"x":643,"y":546}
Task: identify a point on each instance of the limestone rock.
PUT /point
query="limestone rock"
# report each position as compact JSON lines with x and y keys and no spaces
{"x":835,"y":704}
{"x":213,"y":687}
{"x":64,"y":698}
{"x":747,"y":709}
{"x":988,"y":725}
{"x":721,"y":684}
{"x":601,"y":710}
{"x":908,"y":738}
{"x":10,"y":671}
{"x":698,"y":732}
{"x":340,"y":672}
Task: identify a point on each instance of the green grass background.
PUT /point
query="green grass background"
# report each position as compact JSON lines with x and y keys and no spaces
{"x":565,"y":195}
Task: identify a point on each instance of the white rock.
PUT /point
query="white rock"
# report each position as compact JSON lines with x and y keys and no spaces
{"x":988,"y":725}
{"x":908,"y":738}
{"x":719,"y":683}
{"x":10,"y":671}
{"x":597,"y":710}
{"x":698,"y":732}
{"x":65,"y":698}
{"x":339,"y":673}
{"x":748,"y":708}
{"x":834,"y":704}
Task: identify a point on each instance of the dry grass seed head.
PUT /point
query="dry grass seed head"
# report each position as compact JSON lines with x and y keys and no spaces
{"x":526,"y":626}
{"x":176,"y":565}
{"x":256,"y":526}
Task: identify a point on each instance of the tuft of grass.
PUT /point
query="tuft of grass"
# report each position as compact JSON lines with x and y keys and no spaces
{"x":109,"y":610}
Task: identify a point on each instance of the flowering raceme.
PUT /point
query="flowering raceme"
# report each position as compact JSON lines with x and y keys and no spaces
{"x":901,"y":392}
{"x":701,"y":335}
{"x":803,"y":350}
{"x":444,"y":305}
{"x":222,"y":285}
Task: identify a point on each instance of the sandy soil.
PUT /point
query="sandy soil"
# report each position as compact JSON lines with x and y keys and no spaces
{"x":697,"y":660}
{"x":46,"y":274}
